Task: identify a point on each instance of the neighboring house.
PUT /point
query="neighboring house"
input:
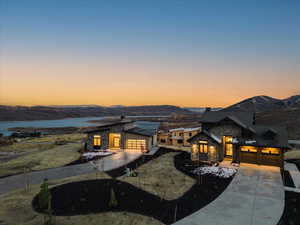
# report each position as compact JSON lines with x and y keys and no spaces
{"x":178,"y":136}
{"x":121,"y":135}
{"x":235,"y":136}
{"x":164,"y":138}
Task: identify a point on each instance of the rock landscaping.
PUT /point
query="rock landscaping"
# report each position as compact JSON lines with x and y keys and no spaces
{"x":217,"y":171}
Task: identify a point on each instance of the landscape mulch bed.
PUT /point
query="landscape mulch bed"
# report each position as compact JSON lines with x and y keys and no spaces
{"x":287,"y":179}
{"x":291,"y":213}
{"x":93,"y":196}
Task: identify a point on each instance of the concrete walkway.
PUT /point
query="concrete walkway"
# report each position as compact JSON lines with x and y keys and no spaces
{"x":116,"y":160}
{"x":254,"y":197}
{"x":110,"y":162}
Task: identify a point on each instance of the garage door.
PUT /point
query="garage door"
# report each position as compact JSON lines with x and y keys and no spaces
{"x":261,"y":156}
{"x":248,"y":154}
{"x":136,"y":144}
{"x":270,"y":156}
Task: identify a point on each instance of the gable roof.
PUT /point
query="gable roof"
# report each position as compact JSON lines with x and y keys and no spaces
{"x":280,"y":137}
{"x":141,"y":131}
{"x":106,"y":126}
{"x":242,"y":118}
{"x":208,"y":134}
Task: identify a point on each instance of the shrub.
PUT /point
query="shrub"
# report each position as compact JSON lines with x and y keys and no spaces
{"x":113,"y":200}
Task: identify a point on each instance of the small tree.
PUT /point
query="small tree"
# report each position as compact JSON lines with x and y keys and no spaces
{"x":44,"y":197}
{"x":113,"y":202}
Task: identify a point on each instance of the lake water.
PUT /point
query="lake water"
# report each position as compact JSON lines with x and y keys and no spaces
{"x":70,"y":122}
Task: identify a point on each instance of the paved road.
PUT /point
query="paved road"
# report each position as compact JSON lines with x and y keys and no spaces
{"x":110,"y":162}
{"x":254,"y":197}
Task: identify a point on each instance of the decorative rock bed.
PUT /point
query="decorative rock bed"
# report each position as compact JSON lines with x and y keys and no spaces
{"x":217,"y":171}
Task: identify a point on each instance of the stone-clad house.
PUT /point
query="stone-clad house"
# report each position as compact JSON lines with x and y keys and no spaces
{"x":235,"y":136}
{"x":121,"y":135}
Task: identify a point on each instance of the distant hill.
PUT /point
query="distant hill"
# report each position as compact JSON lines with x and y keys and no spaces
{"x":201,"y":109}
{"x":265,"y":103}
{"x":15,"y":113}
{"x":286,"y":117}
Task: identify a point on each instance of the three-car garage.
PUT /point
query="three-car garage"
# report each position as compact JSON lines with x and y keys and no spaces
{"x":261,"y":155}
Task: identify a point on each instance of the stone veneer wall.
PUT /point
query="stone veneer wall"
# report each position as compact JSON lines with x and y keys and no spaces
{"x":226,"y":129}
{"x":105,"y":137}
{"x":219,"y":150}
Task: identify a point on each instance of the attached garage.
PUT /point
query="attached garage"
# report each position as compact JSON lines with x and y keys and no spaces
{"x":261,"y":156}
{"x":136,"y":144}
{"x":271,"y":156}
{"x":249,"y":154}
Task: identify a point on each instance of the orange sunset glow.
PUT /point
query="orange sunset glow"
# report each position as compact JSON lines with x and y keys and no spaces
{"x":105,"y":60}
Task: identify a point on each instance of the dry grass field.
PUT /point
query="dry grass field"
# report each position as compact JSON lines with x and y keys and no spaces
{"x":56,"y":156}
{"x":166,"y":181}
{"x":158,"y":176}
{"x":42,"y":143}
{"x":294,"y":154}
{"x":40,"y":153}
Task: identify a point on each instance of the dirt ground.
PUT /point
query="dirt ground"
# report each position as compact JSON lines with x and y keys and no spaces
{"x":172,"y":184}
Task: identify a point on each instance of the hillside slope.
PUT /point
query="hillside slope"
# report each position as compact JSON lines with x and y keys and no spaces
{"x":288,"y":117}
{"x":265,"y":103}
{"x":14,"y":113}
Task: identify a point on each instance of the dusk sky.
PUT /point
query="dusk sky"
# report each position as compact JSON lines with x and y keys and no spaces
{"x":185,"y":53}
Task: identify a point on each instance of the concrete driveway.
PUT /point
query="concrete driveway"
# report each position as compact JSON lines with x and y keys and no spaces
{"x":254,"y":197}
{"x":116,"y":160}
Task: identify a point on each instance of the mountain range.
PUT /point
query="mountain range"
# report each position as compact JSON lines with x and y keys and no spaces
{"x":255,"y":104}
{"x":15,"y":113}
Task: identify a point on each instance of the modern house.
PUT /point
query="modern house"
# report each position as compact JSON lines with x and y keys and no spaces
{"x":122,"y":135}
{"x":178,"y":136}
{"x":235,"y":136}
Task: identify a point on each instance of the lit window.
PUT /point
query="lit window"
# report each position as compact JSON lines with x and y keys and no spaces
{"x":248,"y":149}
{"x":203,"y":146}
{"x":97,"y":140}
{"x":194,"y":148}
{"x":116,"y":142}
{"x":271,"y":151}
